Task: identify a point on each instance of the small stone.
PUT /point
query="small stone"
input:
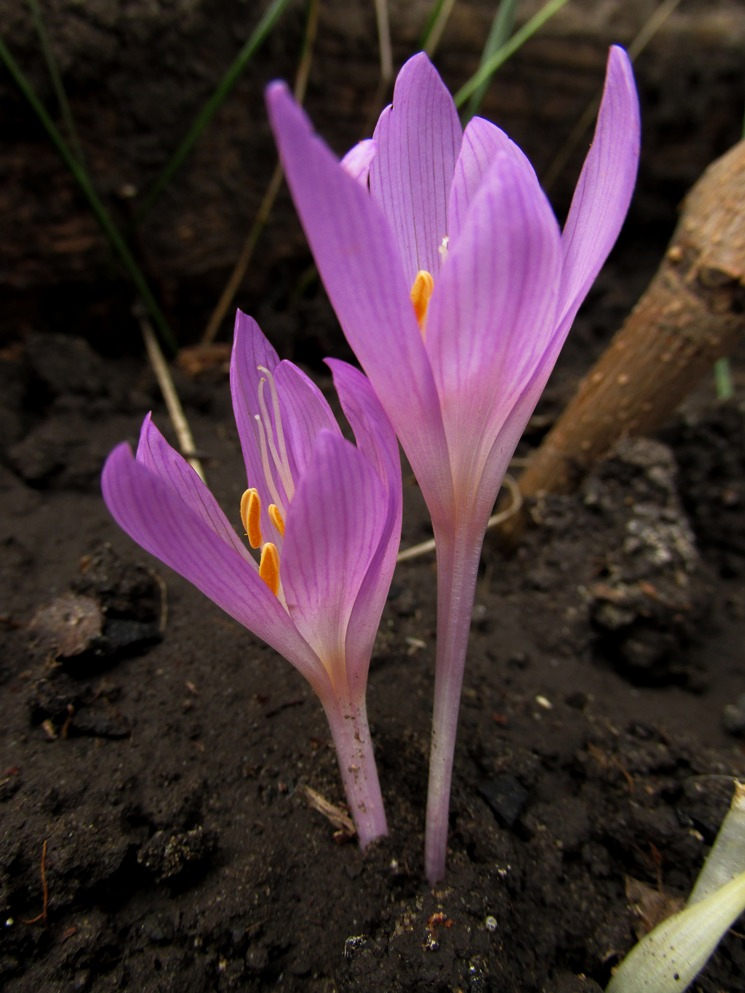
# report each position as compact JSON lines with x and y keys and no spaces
{"x":506,"y":797}
{"x":734,"y":716}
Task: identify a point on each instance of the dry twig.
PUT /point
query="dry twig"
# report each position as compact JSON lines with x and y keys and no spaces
{"x":167,"y":388}
{"x":335,"y":815}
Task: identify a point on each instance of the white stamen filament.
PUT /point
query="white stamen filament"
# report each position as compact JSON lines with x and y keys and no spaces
{"x":278,"y":449}
{"x":265,"y":465}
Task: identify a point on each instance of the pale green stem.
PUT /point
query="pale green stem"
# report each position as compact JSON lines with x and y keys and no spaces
{"x":351,"y":734}
{"x":457,"y":570}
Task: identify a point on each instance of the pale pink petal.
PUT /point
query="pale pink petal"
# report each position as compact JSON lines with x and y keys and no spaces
{"x":376,"y":440}
{"x":605,"y":186}
{"x":250,"y":351}
{"x":305,"y":413}
{"x":483,"y":143}
{"x":493,"y":310}
{"x":356,"y":163}
{"x":418,"y":139}
{"x":154,"y":452}
{"x":333,"y":529}
{"x":165,"y":523}
{"x":361,"y":268}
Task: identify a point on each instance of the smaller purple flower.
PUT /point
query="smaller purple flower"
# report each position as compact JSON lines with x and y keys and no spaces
{"x":323,"y":517}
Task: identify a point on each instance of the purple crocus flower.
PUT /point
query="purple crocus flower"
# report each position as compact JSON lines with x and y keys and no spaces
{"x":323,"y":515}
{"x":455,"y":223}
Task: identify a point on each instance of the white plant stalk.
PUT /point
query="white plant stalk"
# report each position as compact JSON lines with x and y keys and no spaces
{"x":727,"y":856}
{"x":669,"y":958}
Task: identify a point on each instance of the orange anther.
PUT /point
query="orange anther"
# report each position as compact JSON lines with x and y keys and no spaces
{"x":421,"y":293}
{"x":269,"y":566}
{"x":251,"y":516}
{"x":276,"y":518}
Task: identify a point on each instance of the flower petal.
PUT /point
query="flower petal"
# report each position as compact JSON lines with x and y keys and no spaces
{"x":332,"y":531}
{"x":159,"y":519}
{"x":363,"y":274}
{"x":418,"y":138}
{"x":155,"y":454}
{"x":251,"y":350}
{"x":373,"y":431}
{"x":356,"y":163}
{"x":483,"y":143}
{"x":603,"y":193}
{"x":305,"y":413}
{"x":377,"y":441}
{"x":493,"y":310}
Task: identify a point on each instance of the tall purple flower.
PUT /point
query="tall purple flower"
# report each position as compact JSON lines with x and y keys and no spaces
{"x":324,"y":518}
{"x":456,"y":288}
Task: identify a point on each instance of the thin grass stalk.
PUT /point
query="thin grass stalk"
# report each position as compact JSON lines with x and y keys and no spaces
{"x":435,"y":25}
{"x":723,"y":379}
{"x":516,"y":42}
{"x":267,"y":203}
{"x":100,"y":212}
{"x":56,"y":78}
{"x":499,"y":33}
{"x":260,"y":33}
{"x":384,"y":40}
{"x":645,"y":34}
{"x":385,"y":54}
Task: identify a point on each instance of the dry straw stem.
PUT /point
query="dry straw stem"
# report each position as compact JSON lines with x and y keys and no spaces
{"x":692,"y":314}
{"x":267,"y":203}
{"x":170,"y":396}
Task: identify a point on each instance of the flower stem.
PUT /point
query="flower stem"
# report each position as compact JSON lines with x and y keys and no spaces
{"x":457,"y":570}
{"x":351,"y":734}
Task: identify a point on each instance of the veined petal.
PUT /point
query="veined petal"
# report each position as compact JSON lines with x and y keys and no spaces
{"x":418,"y":139}
{"x":356,"y":163}
{"x":159,"y":519}
{"x":493,"y":309}
{"x":305,"y":413}
{"x":332,"y":531}
{"x":483,"y":143}
{"x":250,"y":350}
{"x":155,"y":454}
{"x":362,"y":270}
{"x":373,"y":431}
{"x":603,"y":193}
{"x":377,"y":441}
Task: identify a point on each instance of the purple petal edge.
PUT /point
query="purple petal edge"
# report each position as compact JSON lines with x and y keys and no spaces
{"x":605,"y":186}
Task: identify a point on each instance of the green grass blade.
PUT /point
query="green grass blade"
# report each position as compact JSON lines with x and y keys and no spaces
{"x":723,"y":379}
{"x":506,"y":51}
{"x":267,"y":203}
{"x":99,"y":210}
{"x":435,"y":25}
{"x":499,"y":33}
{"x":54,"y":74}
{"x":260,"y":33}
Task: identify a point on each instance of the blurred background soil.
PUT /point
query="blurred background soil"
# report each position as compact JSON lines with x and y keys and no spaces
{"x":156,"y":833}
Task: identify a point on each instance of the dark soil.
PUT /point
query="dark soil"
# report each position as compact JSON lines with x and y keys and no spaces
{"x":156,"y":830}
